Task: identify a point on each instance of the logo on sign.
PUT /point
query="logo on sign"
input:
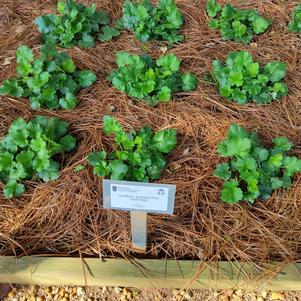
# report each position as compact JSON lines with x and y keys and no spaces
{"x":161,"y":192}
{"x":114,"y":188}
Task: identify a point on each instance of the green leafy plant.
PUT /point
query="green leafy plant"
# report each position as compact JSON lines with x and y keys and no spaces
{"x":153,"y":23}
{"x":235,"y":24}
{"x":77,"y":25}
{"x":51,"y":80}
{"x":29,"y":150}
{"x":138,"y":156}
{"x":253,"y":170}
{"x":295,"y":24}
{"x":151,"y":81}
{"x":241,"y":80}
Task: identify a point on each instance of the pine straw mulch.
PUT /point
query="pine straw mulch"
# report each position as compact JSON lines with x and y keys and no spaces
{"x":66,"y":216}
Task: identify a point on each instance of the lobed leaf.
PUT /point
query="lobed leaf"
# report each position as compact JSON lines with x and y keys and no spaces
{"x":77,"y":25}
{"x":138,"y":156}
{"x":51,"y":81}
{"x":27,"y":152}
{"x":151,"y":81}
{"x":241,"y":80}
{"x":254,"y":171}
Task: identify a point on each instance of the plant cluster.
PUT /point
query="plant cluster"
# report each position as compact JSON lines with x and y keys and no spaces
{"x":253,"y":170}
{"x":241,"y":80}
{"x":153,"y":23}
{"x":295,"y":24}
{"x":28,"y":150}
{"x":235,"y":24}
{"x":77,"y":25}
{"x":52,"y":80}
{"x":152,"y":81}
{"x":139,"y":156}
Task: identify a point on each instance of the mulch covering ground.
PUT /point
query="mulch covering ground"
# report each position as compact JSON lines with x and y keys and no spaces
{"x":66,"y":216}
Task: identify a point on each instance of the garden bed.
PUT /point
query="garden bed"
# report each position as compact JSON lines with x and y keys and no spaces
{"x":65,"y":217}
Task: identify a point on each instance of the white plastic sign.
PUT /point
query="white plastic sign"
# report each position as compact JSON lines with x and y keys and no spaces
{"x":136,"y":196}
{"x":139,"y":198}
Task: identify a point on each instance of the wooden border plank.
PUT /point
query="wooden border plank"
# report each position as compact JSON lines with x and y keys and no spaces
{"x":147,"y":273}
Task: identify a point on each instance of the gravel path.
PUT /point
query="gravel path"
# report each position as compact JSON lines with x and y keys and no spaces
{"x":37,"y":293}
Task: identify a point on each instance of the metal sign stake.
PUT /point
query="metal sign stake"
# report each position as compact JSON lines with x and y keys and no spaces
{"x":139,"y":230}
{"x":140,"y":199}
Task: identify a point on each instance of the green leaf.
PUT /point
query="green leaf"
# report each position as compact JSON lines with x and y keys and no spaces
{"x":276,"y":183}
{"x":27,"y":151}
{"x":137,"y":156}
{"x":241,"y":80}
{"x":24,"y":68}
{"x":46,"y":24}
{"x":60,"y":7}
{"x":13,"y":189}
{"x":261,"y":154}
{"x":223,"y":171}
{"x":79,"y":168}
{"x":123,"y":59}
{"x":153,"y":82}
{"x":238,"y":147}
{"x":25,"y":158}
{"x":24,"y":54}
{"x":292,"y":166}
{"x":189,"y":82}
{"x":18,"y":132}
{"x":236,"y":24}
{"x":41,"y":161}
{"x":11,"y":87}
{"x":276,"y":160}
{"x":213,"y":8}
{"x":118,"y":169}
{"x":6,"y":160}
{"x":256,"y":170}
{"x":169,"y":62}
{"x":108,"y":33}
{"x":69,"y":102}
{"x":95,"y":158}
{"x":87,"y":41}
{"x":231,"y":193}
{"x":165,"y":140}
{"x":68,"y":65}
{"x":260,"y":25}
{"x":275,"y":71}
{"x":153,"y":23}
{"x":295,"y":23}
{"x":51,"y":173}
{"x":283,"y":143}
{"x":111,"y":125}
{"x":164,"y":94}
{"x":236,"y":78}
{"x":253,"y":69}
{"x":68,"y":143}
{"x":86,"y":78}
{"x":239,"y":28}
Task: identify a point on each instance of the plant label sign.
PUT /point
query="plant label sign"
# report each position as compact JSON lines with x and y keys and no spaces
{"x":140,"y":199}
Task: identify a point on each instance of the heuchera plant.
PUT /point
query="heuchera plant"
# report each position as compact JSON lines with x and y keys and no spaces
{"x":29,"y":150}
{"x":153,"y":23}
{"x":51,"y":80}
{"x":152,"y":81}
{"x":295,"y":24}
{"x":138,"y":156}
{"x":254,"y":171}
{"x":235,"y":24}
{"x":77,"y":25}
{"x":241,"y":80}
